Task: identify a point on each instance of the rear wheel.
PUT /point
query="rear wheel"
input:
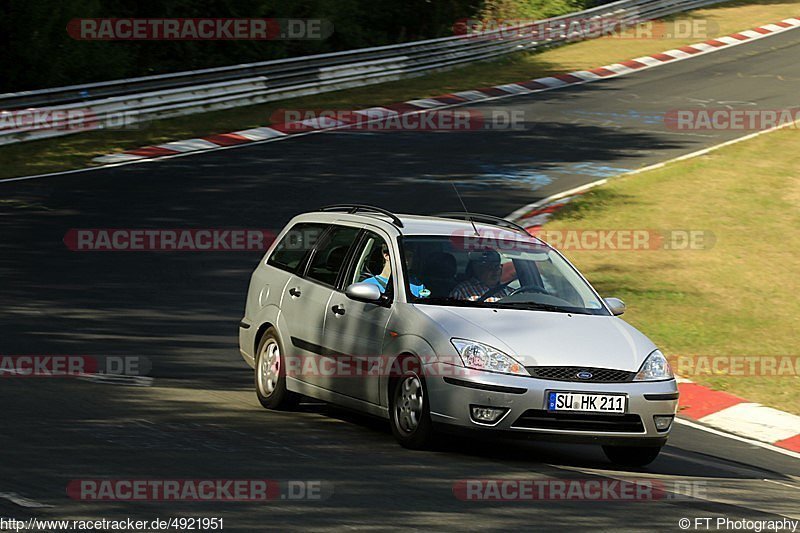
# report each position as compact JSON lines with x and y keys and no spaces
{"x":632,"y":455}
{"x":270,"y":374}
{"x":409,"y":410}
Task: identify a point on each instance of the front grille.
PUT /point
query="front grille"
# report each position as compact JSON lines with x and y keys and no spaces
{"x":570,"y":373}
{"x":541,"y":419}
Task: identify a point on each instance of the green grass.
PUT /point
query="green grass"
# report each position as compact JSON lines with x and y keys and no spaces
{"x":736,"y":298}
{"x":76,"y":151}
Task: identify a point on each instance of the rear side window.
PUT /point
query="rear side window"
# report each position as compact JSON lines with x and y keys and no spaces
{"x":295,"y":244}
{"x":330,"y":255}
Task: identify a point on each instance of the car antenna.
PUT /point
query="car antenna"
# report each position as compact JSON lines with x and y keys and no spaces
{"x":465,"y":209}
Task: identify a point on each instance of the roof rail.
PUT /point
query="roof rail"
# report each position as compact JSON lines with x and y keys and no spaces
{"x":479,"y":217}
{"x":354,"y":208}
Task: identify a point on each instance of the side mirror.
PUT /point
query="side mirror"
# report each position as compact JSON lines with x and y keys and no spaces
{"x":616,"y":305}
{"x":363,"y":292}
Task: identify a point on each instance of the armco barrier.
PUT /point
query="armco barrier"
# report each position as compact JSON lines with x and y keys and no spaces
{"x":169,"y":95}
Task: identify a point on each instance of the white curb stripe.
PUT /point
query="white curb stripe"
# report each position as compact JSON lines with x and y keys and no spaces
{"x":703,"y":47}
{"x":755,"y":421}
{"x":188,"y":145}
{"x":376,"y":112}
{"x":649,"y":61}
{"x":426,"y":103}
{"x":321,"y":122}
{"x":677,"y":54}
{"x":750,"y":33}
{"x":471,"y":95}
{"x":513,"y":88}
{"x":616,"y":68}
{"x":117,"y":158}
{"x":260,"y":134}
{"x":701,"y":427}
{"x":551,"y":82}
{"x":728,"y":40}
{"x":586,"y":75}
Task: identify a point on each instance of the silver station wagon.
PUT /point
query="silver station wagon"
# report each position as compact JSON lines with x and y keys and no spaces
{"x":455,"y":321}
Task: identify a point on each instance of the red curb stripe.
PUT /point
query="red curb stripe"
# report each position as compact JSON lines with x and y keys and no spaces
{"x":783,"y":24}
{"x":740,"y":36}
{"x":532,"y":84}
{"x":602,"y":71}
{"x":494,"y":91}
{"x":152,"y":151}
{"x":632,"y":64}
{"x":568,"y":78}
{"x":792,"y":443}
{"x":543,"y":210}
{"x":663,"y":57}
{"x":762,"y":31}
{"x":697,"y":401}
{"x":292,"y":127}
{"x":403,"y":108}
{"x":450,"y":99}
{"x":689,"y":49}
{"x":714,"y":42}
{"x":227,"y":139}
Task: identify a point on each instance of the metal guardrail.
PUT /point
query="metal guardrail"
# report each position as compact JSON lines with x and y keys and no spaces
{"x":129,"y":101}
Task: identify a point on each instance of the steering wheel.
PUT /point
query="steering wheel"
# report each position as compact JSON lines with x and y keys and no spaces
{"x":494,"y":290}
{"x":529,"y":288}
{"x":497,"y":288}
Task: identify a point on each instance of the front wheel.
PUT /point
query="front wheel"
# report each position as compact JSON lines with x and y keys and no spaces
{"x":409,"y":410}
{"x":270,"y":374}
{"x":632,"y":455}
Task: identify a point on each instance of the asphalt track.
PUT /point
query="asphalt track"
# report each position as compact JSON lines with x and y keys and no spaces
{"x":200,"y":418}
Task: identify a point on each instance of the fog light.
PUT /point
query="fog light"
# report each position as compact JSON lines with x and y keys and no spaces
{"x":663,"y":422}
{"x":487,"y":415}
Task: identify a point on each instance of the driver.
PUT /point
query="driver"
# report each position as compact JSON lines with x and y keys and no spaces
{"x":486,"y":270}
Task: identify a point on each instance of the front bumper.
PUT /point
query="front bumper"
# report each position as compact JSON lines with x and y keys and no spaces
{"x":451,"y":392}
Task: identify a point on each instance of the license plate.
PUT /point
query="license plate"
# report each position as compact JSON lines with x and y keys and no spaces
{"x":594,"y":403}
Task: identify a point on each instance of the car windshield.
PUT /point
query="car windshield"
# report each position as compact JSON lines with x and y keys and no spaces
{"x":481,"y":271}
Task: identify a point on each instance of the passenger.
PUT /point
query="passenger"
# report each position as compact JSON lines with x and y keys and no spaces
{"x":382,"y":279}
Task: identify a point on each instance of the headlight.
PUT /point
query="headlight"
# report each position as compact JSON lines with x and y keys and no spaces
{"x":482,"y":357}
{"x":655,"y":368}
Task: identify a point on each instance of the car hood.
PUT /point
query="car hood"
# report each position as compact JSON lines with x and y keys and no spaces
{"x":543,"y":338}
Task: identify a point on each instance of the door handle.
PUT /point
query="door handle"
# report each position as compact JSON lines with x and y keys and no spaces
{"x":294,"y":291}
{"x":337,"y":310}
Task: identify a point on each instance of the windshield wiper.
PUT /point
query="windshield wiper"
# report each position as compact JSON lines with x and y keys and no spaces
{"x":535,"y":306}
{"x":447,"y":300}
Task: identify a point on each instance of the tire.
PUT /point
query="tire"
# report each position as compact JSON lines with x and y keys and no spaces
{"x":409,"y":409}
{"x":270,"y":374}
{"x":632,"y":455}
